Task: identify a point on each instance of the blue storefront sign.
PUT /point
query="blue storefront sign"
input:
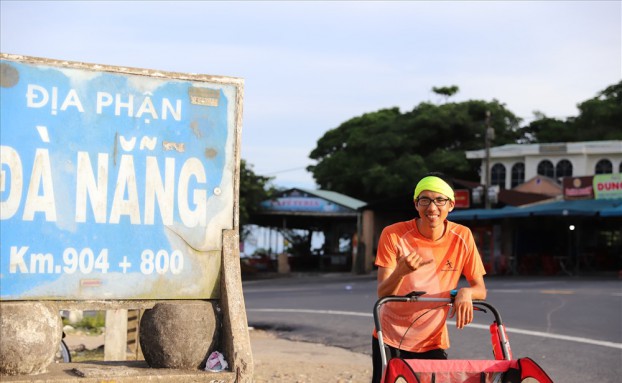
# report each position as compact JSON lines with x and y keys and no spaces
{"x":299,"y":201}
{"x":302,"y":204}
{"x":115,"y":183}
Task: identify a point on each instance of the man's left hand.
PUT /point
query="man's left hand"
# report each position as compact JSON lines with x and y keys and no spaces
{"x":463,"y":306}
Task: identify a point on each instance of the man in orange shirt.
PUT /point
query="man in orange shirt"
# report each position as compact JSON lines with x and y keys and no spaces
{"x":428,"y":254}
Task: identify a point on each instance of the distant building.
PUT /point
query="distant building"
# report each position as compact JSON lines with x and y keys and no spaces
{"x":332,"y":214}
{"x":511,"y":165}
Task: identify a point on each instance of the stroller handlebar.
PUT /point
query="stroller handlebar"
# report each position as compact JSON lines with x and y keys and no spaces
{"x":419,"y":296}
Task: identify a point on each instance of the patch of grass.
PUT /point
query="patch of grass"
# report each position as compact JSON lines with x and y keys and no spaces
{"x":88,"y":355}
{"x":91,"y":324}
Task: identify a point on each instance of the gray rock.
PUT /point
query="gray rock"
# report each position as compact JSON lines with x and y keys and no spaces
{"x":179,"y":335}
{"x":30,"y":334}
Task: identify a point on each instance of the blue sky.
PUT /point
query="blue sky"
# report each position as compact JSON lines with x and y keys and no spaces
{"x":308,"y":66}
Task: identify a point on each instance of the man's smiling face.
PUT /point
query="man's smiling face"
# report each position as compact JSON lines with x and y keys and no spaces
{"x":432,"y":214}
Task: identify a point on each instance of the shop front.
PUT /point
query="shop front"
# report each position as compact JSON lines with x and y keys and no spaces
{"x":572,"y":237}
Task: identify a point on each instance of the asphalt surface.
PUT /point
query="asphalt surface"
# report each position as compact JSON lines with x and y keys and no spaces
{"x":572,"y":326}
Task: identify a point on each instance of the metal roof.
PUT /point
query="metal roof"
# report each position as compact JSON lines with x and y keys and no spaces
{"x":307,"y":209}
{"x":588,"y":207}
{"x":335,"y":197}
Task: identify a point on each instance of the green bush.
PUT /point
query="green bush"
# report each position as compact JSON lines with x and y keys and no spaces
{"x":89,"y":323}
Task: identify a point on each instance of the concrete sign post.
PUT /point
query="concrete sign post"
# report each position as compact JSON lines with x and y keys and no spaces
{"x":119,"y":189}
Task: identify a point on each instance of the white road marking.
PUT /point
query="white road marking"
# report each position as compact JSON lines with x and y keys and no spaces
{"x":307,"y":311}
{"x":510,"y":330}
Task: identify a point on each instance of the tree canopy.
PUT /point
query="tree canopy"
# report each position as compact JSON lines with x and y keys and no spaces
{"x":254,"y":189}
{"x":381,"y":154}
{"x":446,"y":91}
{"x":600,"y":118}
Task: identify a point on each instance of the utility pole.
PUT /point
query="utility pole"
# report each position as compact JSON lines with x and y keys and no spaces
{"x":490,"y":135}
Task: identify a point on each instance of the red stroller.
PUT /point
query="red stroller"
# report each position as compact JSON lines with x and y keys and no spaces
{"x":502,"y":369}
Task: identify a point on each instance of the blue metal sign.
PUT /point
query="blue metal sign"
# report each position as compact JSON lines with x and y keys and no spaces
{"x":114,"y":184}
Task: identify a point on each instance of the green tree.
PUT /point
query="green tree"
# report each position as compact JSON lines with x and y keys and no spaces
{"x":446,"y":91}
{"x":599,"y":119}
{"x":545,"y":129}
{"x":383,"y":154}
{"x":253,"y":190}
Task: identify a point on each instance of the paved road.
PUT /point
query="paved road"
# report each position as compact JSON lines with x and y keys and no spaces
{"x":571,"y":326}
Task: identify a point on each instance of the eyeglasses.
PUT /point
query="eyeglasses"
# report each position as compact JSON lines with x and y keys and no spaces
{"x":425,"y":201}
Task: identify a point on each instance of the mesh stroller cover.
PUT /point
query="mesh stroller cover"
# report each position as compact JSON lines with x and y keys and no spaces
{"x":464,"y":371}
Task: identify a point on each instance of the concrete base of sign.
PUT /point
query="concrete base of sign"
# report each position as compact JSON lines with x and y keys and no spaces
{"x":116,"y":335}
{"x":30,"y":334}
{"x":231,"y":330}
{"x":122,"y":372}
{"x":237,"y":343}
{"x":179,"y":335}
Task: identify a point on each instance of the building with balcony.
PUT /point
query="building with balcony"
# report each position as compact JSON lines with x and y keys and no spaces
{"x":513,"y":165}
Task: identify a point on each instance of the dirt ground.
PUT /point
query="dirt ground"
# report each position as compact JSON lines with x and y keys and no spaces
{"x":282,"y":361}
